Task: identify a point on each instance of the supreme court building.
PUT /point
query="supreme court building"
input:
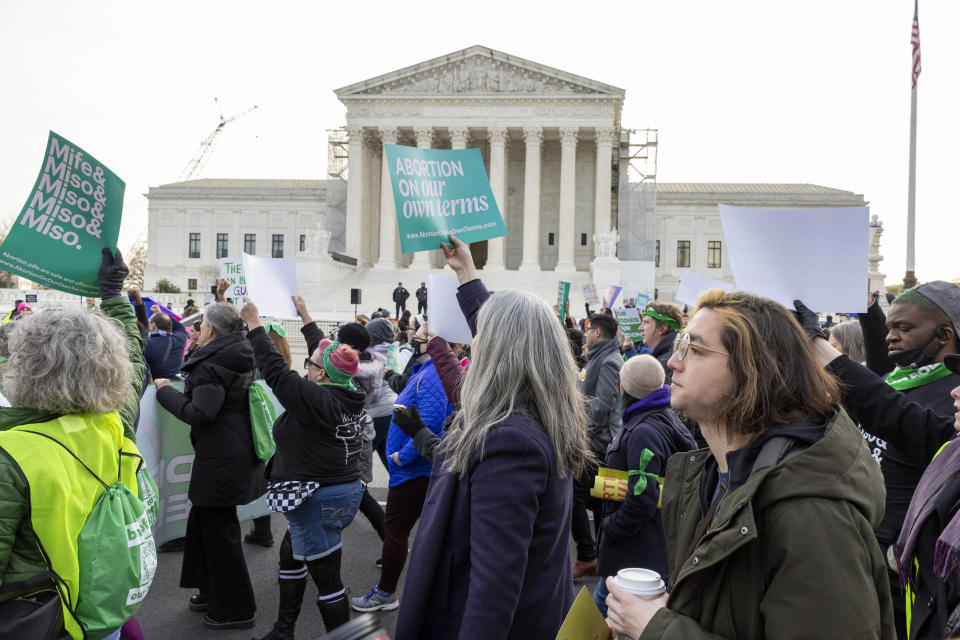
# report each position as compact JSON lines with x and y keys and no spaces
{"x":559,"y":162}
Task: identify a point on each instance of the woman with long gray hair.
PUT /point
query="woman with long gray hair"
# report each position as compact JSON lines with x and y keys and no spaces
{"x":226,"y":470}
{"x":491,"y":557}
{"x":847,"y":338}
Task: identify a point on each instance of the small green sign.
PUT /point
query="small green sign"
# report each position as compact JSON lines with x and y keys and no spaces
{"x":563,"y":299}
{"x":629,"y":320}
{"x":72,"y":212}
{"x":437,"y":192}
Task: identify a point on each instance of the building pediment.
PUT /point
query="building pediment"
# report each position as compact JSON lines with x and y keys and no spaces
{"x":479,"y":70}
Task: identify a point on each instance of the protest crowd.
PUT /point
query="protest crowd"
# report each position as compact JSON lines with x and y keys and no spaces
{"x":739,"y":470}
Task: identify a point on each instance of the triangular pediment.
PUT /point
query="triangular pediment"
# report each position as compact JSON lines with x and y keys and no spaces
{"x":479,"y":70}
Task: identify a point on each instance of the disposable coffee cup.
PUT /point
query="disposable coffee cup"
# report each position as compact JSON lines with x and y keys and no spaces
{"x":642,"y":583}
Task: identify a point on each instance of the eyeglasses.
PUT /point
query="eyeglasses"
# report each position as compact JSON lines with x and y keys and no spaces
{"x":682,"y":344}
{"x":307,"y":362}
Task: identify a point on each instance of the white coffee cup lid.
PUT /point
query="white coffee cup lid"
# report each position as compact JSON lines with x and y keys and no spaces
{"x":640,"y":581}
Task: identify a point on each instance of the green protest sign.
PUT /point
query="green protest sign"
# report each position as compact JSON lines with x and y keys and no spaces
{"x":563,"y":298}
{"x":72,"y":212}
{"x":629,"y":321}
{"x":438,"y":192}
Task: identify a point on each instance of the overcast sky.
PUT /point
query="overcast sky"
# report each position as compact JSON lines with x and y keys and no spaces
{"x":816,"y":92}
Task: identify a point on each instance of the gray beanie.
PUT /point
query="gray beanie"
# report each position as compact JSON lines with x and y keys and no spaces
{"x":641,"y":375}
{"x":945,"y":295}
{"x":381,"y":328}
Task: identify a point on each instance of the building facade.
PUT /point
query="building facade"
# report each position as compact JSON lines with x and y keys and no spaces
{"x":556,"y":156}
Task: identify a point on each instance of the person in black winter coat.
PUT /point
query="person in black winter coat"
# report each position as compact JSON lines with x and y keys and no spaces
{"x":632,"y":531}
{"x":400,"y":295}
{"x":226,"y":471}
{"x":422,"y":298}
{"x":661,"y":322}
{"x":314,"y":474}
{"x":907,"y":348}
{"x":927,"y":548}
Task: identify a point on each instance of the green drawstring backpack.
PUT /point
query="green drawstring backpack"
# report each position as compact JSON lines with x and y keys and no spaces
{"x":262,"y":416}
{"x":116,"y":552}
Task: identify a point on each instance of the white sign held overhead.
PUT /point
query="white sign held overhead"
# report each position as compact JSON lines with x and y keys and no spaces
{"x":693,"y":284}
{"x":814,"y":255}
{"x":445,"y":318}
{"x":271,"y":282}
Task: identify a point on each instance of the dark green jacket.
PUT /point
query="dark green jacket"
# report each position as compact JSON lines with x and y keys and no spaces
{"x":19,"y":558}
{"x":790,"y":552}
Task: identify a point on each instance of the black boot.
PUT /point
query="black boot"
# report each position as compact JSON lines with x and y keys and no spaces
{"x":291,"y":597}
{"x":335,"y":612}
{"x":260,"y":534}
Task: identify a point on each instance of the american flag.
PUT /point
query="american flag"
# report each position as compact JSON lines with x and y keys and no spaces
{"x":915,"y":41}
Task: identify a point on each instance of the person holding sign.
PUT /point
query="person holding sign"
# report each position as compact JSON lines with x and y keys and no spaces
{"x":770,"y":530}
{"x":490,"y":558}
{"x":314,"y":475}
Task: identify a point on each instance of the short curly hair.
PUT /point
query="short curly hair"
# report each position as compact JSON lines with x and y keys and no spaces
{"x":68,"y":361}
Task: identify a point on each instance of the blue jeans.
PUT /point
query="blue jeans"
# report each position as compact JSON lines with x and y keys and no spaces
{"x":600,"y":596}
{"x":316,"y":525}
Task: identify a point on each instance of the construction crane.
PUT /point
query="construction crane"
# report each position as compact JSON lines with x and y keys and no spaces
{"x":199,"y":159}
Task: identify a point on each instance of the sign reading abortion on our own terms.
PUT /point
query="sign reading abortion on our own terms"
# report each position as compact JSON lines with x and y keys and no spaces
{"x":439,"y":192}
{"x":72,"y":212}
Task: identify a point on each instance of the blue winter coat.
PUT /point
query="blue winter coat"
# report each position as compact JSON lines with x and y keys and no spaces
{"x":424,"y":392}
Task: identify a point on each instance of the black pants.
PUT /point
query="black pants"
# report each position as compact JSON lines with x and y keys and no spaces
{"x":381,"y":426}
{"x":370,"y":508}
{"x":213,"y":562}
{"x":421,"y":307}
{"x":580,"y":527}
{"x":404,"y":505}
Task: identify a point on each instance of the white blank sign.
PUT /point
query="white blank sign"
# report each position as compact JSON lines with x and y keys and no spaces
{"x":271,"y":282}
{"x":814,"y":255}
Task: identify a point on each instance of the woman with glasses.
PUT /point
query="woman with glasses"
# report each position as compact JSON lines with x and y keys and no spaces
{"x":314,"y":474}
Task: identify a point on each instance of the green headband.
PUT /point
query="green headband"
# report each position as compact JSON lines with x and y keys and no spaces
{"x":337,"y":378}
{"x":277,"y":328}
{"x":670,"y":322}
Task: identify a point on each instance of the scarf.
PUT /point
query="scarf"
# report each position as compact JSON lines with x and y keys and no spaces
{"x":903,"y":379}
{"x":337,"y":378}
{"x":946,"y":558}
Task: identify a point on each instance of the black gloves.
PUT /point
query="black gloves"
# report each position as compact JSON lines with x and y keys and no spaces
{"x":113,"y":271}
{"x":408,"y":420}
{"x":808,"y":320}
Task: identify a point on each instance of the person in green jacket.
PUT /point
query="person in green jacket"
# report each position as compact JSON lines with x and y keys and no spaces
{"x":76,"y":375}
{"x":769,"y":530}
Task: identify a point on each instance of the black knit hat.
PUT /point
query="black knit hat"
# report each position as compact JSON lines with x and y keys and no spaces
{"x":354,"y":335}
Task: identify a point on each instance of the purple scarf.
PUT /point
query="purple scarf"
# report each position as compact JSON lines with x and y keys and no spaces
{"x":946,"y":558}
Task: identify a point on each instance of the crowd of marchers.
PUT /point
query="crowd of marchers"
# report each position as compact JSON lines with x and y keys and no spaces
{"x":784,"y":478}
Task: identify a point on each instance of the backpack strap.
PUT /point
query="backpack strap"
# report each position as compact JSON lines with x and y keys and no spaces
{"x":67,"y":449}
{"x":776,"y":450}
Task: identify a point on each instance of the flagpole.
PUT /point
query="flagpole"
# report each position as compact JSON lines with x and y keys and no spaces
{"x":910,"y":278}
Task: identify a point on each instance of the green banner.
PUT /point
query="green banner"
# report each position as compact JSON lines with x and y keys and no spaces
{"x":164,"y":443}
{"x":563,"y":299}
{"x":629,"y":321}
{"x":72,"y":212}
{"x":437,"y":193}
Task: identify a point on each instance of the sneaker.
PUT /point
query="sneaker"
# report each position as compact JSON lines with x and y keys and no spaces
{"x":375,"y":600}
{"x":198,"y":602}
{"x":230,"y":623}
{"x":379,"y":563}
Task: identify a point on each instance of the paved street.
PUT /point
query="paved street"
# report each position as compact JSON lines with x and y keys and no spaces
{"x":164,"y":614}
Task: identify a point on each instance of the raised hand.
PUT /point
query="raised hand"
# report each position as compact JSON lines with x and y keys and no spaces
{"x":113,"y":271}
{"x":301,"y":306}
{"x":250,"y":314}
{"x":460,"y":259}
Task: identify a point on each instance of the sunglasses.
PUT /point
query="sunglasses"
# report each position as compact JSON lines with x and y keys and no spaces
{"x":683,"y":344}
{"x":307,"y":362}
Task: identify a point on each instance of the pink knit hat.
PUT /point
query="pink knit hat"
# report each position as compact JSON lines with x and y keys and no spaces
{"x":343,"y":357}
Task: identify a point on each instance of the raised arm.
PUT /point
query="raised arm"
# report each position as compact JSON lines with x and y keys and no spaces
{"x":472,"y":293}
{"x":874,"y":325}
